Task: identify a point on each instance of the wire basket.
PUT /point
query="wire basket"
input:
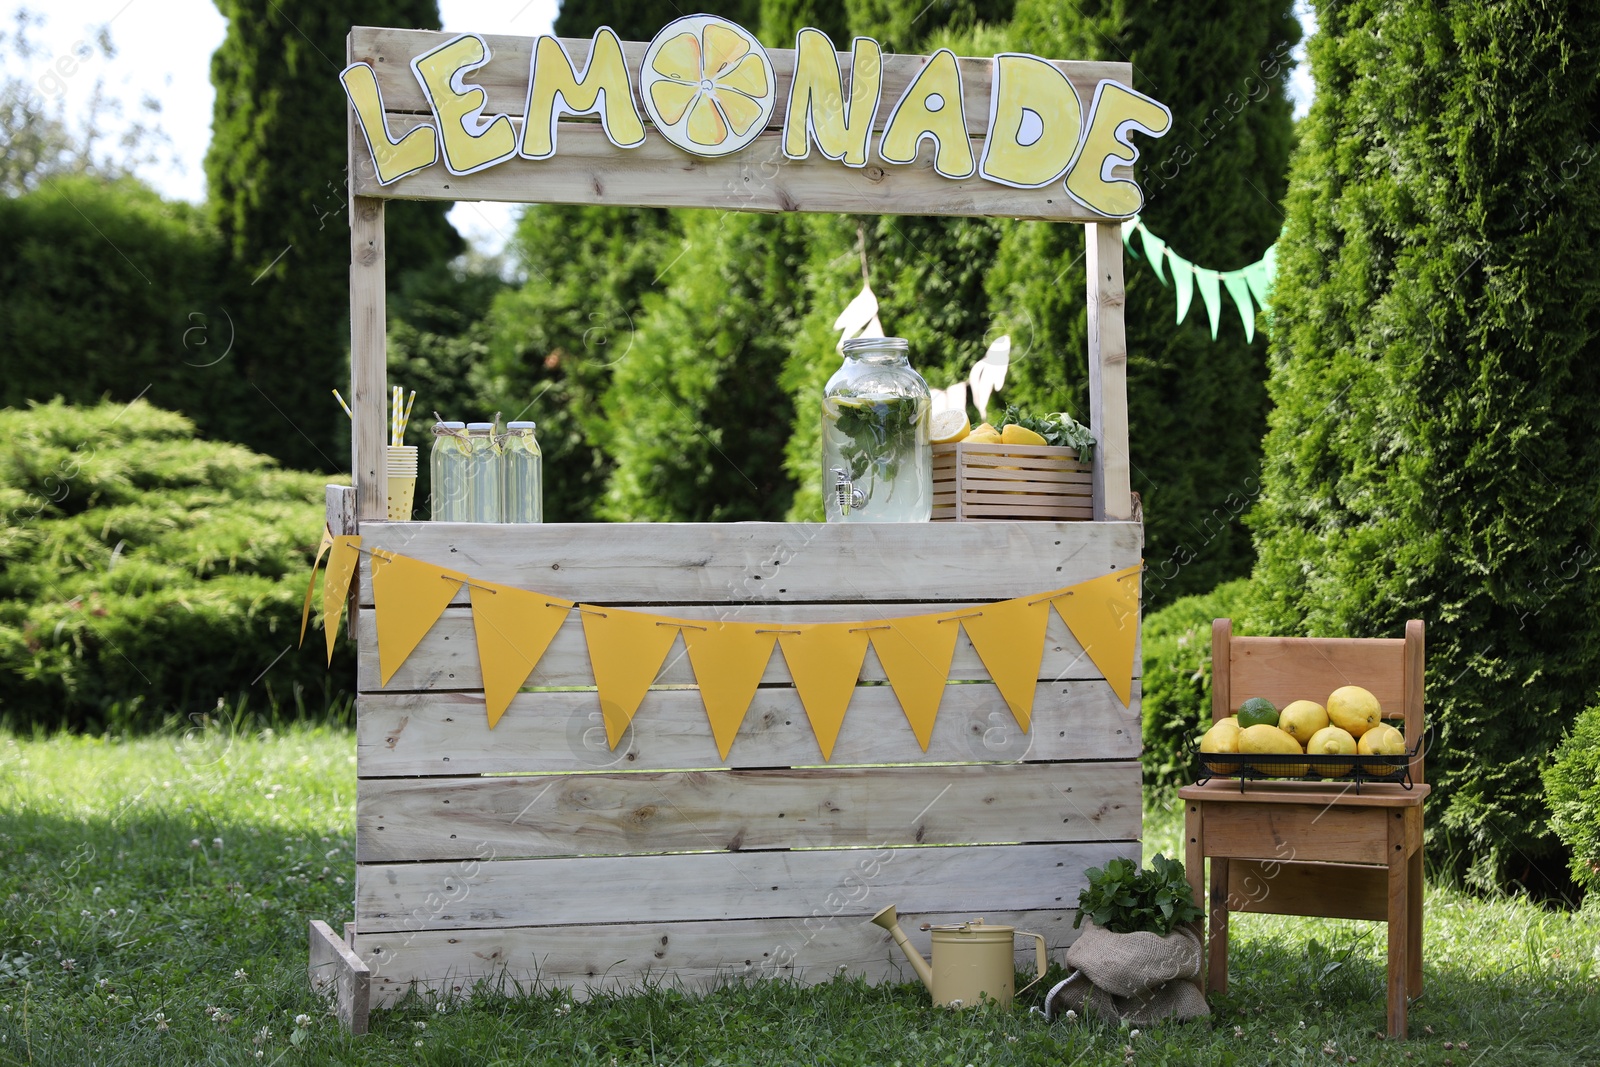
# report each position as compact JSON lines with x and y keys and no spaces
{"x":1343,"y":770}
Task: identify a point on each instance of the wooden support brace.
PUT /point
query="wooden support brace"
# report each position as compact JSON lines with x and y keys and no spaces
{"x":368,"y":373}
{"x":341,"y":509}
{"x":1108,"y":373}
{"x":336,"y":970}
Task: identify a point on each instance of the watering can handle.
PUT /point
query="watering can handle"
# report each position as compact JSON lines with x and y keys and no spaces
{"x":1043,"y":962}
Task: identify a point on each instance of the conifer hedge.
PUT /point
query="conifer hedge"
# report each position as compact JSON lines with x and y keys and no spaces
{"x":145,"y":572}
{"x":1434,"y":451}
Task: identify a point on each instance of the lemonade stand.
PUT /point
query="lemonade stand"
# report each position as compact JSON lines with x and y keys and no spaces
{"x":597,"y":755}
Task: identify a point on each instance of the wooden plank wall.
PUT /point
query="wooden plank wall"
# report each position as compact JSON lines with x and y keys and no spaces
{"x":534,"y":853}
{"x":588,"y":169}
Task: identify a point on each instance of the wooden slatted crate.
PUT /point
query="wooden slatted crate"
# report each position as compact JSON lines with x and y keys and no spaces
{"x":533,"y":852}
{"x":976,"y":482}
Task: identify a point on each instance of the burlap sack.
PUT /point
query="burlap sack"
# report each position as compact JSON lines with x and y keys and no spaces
{"x":1127,"y":964}
{"x":1140,"y":977}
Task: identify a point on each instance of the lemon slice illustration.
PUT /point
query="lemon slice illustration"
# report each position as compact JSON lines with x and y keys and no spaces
{"x":708,"y":85}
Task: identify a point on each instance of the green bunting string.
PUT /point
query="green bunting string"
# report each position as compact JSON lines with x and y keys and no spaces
{"x":1249,"y":287}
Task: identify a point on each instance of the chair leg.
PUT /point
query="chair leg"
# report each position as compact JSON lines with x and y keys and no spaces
{"x":1194,"y":869}
{"x":1399,"y":926}
{"x":1414,"y":922}
{"x":1217,"y":946}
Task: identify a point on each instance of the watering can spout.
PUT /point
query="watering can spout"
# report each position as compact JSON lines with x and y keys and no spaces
{"x":891,"y":922}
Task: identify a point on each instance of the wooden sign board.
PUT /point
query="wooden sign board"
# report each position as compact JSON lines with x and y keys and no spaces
{"x":448,"y":117}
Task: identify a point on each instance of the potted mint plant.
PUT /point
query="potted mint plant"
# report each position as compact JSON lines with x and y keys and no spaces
{"x":1137,"y":958}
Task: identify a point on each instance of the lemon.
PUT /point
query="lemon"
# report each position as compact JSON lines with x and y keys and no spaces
{"x":708,"y":85}
{"x":1332,"y":741}
{"x":1302,"y":718}
{"x":949,"y":427}
{"x":984,"y":435}
{"x":1267,"y":740}
{"x":1382,"y":740}
{"x":1258,"y":710}
{"x":1020,"y":435}
{"x":1222,"y":737}
{"x":1354,"y":709}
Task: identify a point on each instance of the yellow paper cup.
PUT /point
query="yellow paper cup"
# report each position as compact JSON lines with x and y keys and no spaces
{"x":401,"y":477}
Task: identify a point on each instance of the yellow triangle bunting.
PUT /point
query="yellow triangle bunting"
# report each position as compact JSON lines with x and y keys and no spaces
{"x":513,"y":628}
{"x":625,"y":653}
{"x":915,"y":653}
{"x":408,"y":596}
{"x":305,"y":610}
{"x":1009,"y":638}
{"x":342,"y":560}
{"x":729,"y":659}
{"x":1103,"y":614}
{"x":825,"y":662}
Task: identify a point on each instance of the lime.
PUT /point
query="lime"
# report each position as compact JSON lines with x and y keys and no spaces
{"x":1257,"y":711}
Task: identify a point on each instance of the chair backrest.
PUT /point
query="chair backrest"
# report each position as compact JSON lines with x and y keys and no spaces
{"x":1283,"y":669}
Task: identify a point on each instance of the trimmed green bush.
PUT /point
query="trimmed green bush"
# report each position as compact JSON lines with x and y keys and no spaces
{"x":145,"y":572}
{"x":1432,"y":453}
{"x":108,"y":291}
{"x":1177,"y":678}
{"x":1572,"y":789}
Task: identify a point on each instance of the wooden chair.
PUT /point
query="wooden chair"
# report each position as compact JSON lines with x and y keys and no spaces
{"x":1314,"y":848}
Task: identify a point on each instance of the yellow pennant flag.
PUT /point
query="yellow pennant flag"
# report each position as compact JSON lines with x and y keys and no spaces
{"x":1009,"y":638}
{"x":1103,"y":614}
{"x":915,"y":653}
{"x":825,"y":662}
{"x":513,"y":628}
{"x":342,"y":561}
{"x":408,"y":596}
{"x":305,"y":610}
{"x":729,"y":659}
{"x":625,"y":653}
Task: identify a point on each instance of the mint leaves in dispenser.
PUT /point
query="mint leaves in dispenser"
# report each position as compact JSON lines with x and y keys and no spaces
{"x":877,"y":463}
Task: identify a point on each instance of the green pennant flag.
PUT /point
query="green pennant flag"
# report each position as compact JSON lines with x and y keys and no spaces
{"x":1259,"y":275}
{"x":1239,"y":289}
{"x":1209,"y":284}
{"x":1182,"y":281}
{"x":1127,"y":232}
{"x":1155,"y":251}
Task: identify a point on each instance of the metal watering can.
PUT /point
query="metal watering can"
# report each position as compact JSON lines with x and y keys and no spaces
{"x":971,"y":960}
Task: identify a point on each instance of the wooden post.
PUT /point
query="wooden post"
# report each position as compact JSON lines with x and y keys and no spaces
{"x":336,"y":971}
{"x":368,"y":379}
{"x":1108,"y":373}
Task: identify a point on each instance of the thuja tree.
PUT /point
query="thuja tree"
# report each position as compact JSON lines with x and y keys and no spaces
{"x":638,"y":20}
{"x":1196,"y":406}
{"x":556,"y":340}
{"x":1433,"y":451}
{"x":696,"y":418}
{"x":276,"y":176}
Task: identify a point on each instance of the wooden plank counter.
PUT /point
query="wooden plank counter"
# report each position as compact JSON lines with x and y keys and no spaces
{"x":535,"y":852}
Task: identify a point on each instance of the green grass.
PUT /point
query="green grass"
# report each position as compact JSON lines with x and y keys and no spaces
{"x":154,"y":895}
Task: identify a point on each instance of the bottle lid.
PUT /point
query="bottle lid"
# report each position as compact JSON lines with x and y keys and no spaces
{"x":864,"y":344}
{"x":480,"y":427}
{"x":521,"y":425}
{"x":449,"y":426}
